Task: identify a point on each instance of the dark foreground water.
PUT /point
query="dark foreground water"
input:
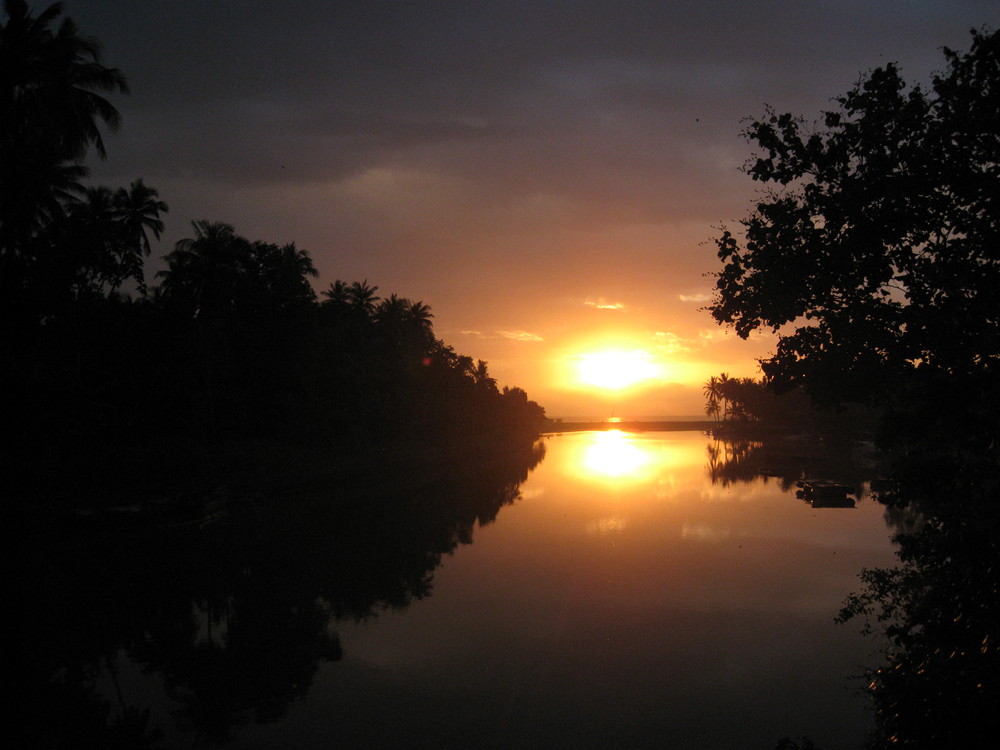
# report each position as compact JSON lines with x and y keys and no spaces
{"x":649,"y":590}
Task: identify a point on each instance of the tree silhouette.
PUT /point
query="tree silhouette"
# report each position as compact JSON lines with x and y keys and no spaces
{"x":102,"y":242}
{"x":712,"y":397}
{"x":137,"y":211}
{"x":336,"y":293}
{"x":363,"y":299}
{"x":723,"y":390}
{"x":203,"y":271}
{"x":250,"y":304}
{"x":481,"y":377}
{"x":419,"y":319}
{"x":281,"y":274}
{"x":876,"y":256}
{"x":51,"y":112}
{"x":391,"y":312}
{"x":230,"y":344}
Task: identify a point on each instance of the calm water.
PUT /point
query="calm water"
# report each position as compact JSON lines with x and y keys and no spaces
{"x":632,"y":591}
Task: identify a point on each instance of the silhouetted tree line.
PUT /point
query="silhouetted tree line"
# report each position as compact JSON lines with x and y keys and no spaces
{"x":875,"y":258}
{"x":231,"y":344}
{"x":748,"y":405}
{"x":747,"y":400}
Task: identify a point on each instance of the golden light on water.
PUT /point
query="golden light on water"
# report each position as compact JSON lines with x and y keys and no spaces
{"x":614,"y":457}
{"x":614,"y":454}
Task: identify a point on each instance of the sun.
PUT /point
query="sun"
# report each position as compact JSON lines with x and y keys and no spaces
{"x":615,"y":369}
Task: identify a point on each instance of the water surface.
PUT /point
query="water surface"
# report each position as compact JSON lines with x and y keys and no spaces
{"x":648,"y":590}
{"x":623,"y":601}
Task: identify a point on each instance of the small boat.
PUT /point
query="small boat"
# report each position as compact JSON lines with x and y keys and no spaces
{"x":823,"y":493}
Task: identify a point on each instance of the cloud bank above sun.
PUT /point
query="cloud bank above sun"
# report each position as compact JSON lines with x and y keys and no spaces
{"x":546,"y":174}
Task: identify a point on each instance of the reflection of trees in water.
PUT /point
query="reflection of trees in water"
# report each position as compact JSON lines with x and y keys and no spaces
{"x":236,"y":618}
{"x":731,"y":461}
{"x":735,"y":460}
{"x":940,"y":608}
{"x":940,"y":612}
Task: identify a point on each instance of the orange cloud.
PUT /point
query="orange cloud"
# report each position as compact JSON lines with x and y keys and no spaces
{"x":512,"y":335}
{"x":520,"y":335}
{"x":602,"y":303}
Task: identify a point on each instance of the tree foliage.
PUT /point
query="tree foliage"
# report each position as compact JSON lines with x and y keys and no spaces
{"x":875,"y":255}
{"x":875,"y":250}
{"x":231,"y":346}
{"x":52,"y":109}
{"x":59,"y":239}
{"x":218,"y":273}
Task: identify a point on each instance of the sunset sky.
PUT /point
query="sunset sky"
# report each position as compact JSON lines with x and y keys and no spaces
{"x":547,"y":176}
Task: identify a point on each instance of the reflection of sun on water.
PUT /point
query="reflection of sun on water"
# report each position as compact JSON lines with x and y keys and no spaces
{"x":616,"y":457}
{"x":614,"y":454}
{"x":607,"y":526}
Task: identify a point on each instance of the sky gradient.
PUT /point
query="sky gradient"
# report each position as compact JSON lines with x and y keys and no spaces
{"x":547,"y":176}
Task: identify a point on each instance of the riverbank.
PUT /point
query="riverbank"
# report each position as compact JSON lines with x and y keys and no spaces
{"x":170,"y":466}
{"x":556,"y":426}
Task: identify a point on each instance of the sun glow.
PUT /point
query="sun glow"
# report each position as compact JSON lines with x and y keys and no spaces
{"x":615,"y":369}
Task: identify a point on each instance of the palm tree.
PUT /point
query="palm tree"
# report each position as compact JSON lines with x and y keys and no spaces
{"x":419,"y":328}
{"x":712,"y":396}
{"x":336,"y":310}
{"x":51,"y":111}
{"x":363,"y":298}
{"x":201,"y":271}
{"x":481,"y":377}
{"x":336,"y":294}
{"x":279,"y":277}
{"x":93,"y":237}
{"x":419,"y":314}
{"x":34,"y":195}
{"x":712,"y":409}
{"x":51,"y":78}
{"x":390,"y":318}
{"x":138,"y":209}
{"x":724,"y":393}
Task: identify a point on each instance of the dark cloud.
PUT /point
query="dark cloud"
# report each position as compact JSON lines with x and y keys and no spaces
{"x":311,"y":90}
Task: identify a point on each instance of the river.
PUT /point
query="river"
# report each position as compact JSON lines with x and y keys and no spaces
{"x":614,"y":590}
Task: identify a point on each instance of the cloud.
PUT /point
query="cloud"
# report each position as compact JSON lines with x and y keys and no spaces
{"x":699,"y":297}
{"x":520,"y":335}
{"x":512,"y":335}
{"x":671,"y":343}
{"x":707,"y":336}
{"x":602,"y":303}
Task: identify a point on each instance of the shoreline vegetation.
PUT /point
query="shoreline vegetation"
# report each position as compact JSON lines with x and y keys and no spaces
{"x":229,"y":362}
{"x":170,"y":393}
{"x":557,"y":426}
